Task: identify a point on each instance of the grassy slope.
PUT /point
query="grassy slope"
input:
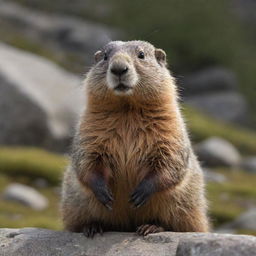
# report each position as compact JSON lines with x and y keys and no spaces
{"x":227,"y":200}
{"x":24,"y":165}
{"x":202,"y":127}
{"x":31,"y":162}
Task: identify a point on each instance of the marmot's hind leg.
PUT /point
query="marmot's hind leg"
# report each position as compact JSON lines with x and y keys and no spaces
{"x":73,"y":218}
{"x":192,"y":220}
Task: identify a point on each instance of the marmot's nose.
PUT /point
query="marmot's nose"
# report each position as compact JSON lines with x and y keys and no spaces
{"x":119,"y":70}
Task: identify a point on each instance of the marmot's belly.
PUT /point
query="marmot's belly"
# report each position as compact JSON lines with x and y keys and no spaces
{"x":125,"y":217}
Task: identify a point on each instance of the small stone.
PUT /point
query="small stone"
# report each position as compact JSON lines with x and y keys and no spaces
{"x":215,"y":151}
{"x":25,"y":195}
{"x":249,"y":164}
{"x":211,"y":176}
{"x":41,"y":183}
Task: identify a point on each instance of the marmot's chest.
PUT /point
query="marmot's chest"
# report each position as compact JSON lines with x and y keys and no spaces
{"x":128,"y":138}
{"x":129,"y":144}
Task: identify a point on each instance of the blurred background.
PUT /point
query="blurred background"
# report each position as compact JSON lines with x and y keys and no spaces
{"x":46,"y":48}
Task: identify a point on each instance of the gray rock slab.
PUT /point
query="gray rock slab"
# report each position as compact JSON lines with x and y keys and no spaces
{"x":42,"y":242}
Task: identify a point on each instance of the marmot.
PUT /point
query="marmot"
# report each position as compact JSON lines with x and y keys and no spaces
{"x":132,"y":165}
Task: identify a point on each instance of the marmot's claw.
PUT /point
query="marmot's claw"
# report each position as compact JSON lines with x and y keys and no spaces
{"x":141,"y":194}
{"x":146,"y":229}
{"x":93,"y":228}
{"x":105,"y":197}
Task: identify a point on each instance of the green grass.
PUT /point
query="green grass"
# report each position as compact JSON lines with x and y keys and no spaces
{"x":14,"y":215}
{"x":33,"y":163}
{"x":228,"y":200}
{"x":246,"y":231}
{"x":24,"y":165}
{"x":202,"y":127}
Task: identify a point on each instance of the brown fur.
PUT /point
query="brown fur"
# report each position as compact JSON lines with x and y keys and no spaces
{"x":126,"y":139}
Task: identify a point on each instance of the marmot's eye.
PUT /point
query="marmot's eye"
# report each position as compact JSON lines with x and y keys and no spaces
{"x":105,"y":56}
{"x":141,"y":55}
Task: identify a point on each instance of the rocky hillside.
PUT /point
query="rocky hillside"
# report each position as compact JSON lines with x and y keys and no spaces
{"x":42,"y":110}
{"x":42,"y":242}
{"x":67,"y":40}
{"x":69,"y":34}
{"x":40,"y":102}
{"x":50,"y":96}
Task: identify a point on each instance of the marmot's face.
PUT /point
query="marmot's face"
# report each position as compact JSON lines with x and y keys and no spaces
{"x":126,"y":68}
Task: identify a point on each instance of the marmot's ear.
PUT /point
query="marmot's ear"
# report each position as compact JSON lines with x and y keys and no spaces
{"x":161,"y":56}
{"x":98,"y":56}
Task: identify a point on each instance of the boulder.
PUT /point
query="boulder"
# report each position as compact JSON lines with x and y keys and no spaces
{"x":215,"y":91}
{"x":42,"y":242}
{"x":215,"y":151}
{"x":213,"y":79}
{"x":25,"y":195}
{"x":227,"y":106}
{"x":249,"y":164}
{"x":22,"y":121}
{"x":245,"y":9}
{"x":39,"y":101}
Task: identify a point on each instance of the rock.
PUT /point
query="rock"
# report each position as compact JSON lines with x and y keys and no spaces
{"x":216,"y":245}
{"x":227,"y":106}
{"x":39,"y":101}
{"x":59,"y":33}
{"x":245,"y":9}
{"x":249,"y":164}
{"x":41,"y":183}
{"x":211,"y":176}
{"x":17,"y":128}
{"x":246,"y":221}
{"x":42,"y":242}
{"x":213,"y":79}
{"x":216,"y":151}
{"x":215,"y":92}
{"x":25,"y":195}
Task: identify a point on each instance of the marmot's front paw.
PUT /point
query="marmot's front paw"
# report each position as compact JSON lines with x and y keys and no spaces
{"x":104,"y":195}
{"x":146,"y":229}
{"x":93,"y":228}
{"x":142,"y":193}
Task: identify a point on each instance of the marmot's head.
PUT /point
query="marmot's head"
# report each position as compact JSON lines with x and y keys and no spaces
{"x":129,"y":68}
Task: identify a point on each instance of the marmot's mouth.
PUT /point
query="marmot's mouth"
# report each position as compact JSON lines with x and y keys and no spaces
{"x":122,"y":87}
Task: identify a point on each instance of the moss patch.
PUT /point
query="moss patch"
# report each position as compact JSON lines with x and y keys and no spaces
{"x":32,"y":162}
